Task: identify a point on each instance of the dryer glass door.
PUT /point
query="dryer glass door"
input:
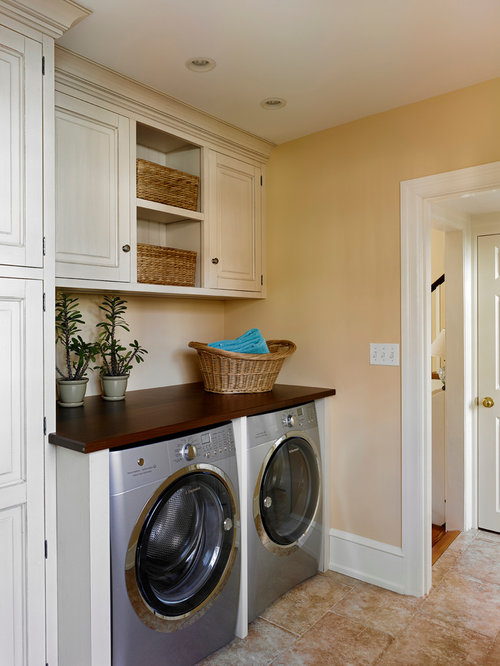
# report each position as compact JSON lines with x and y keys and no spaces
{"x":290,"y":491}
{"x":185,"y":549}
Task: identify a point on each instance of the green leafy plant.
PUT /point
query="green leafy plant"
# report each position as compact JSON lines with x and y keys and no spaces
{"x":116,"y":359}
{"x":77,"y":353}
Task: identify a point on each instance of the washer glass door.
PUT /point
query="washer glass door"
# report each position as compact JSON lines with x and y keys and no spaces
{"x":185,"y":549}
{"x":290,"y":491}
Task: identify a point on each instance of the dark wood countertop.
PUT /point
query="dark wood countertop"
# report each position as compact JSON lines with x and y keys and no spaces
{"x":159,"y":412}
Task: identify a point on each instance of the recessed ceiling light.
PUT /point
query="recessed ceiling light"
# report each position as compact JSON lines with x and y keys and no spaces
{"x":200,"y":64}
{"x":273,"y":103}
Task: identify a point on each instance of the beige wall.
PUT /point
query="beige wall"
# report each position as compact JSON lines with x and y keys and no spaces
{"x":333,"y":244}
{"x":163,"y":326}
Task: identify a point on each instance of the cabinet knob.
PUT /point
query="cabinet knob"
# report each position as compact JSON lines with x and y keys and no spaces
{"x":215,"y":260}
{"x":126,"y":248}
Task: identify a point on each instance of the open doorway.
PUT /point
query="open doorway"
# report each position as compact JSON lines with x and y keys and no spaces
{"x":421,"y":201}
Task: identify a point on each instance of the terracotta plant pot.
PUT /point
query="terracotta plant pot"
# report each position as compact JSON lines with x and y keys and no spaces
{"x":71,"y":392}
{"x":113,"y":388}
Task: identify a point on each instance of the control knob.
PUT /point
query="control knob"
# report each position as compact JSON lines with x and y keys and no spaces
{"x":189,"y":452}
{"x":290,"y":420}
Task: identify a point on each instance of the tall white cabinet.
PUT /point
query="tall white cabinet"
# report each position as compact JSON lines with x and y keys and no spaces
{"x":21,"y":149}
{"x":27,"y":326}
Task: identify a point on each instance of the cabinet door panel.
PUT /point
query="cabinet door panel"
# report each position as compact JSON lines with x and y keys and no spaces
{"x":92,"y":191}
{"x":21,"y":223}
{"x":22,"y":563}
{"x":236,"y":225}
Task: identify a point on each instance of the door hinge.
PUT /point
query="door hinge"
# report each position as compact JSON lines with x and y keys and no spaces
{"x":46,"y":549}
{"x":44,"y":299}
{"x":43,"y":65}
{"x":261,"y":280}
{"x":44,"y":425}
{"x":43,"y":246}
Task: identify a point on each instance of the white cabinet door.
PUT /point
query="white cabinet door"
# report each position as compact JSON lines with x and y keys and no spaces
{"x":21,"y":227}
{"x":22,"y":562}
{"x":234,"y":259}
{"x":92,"y":191}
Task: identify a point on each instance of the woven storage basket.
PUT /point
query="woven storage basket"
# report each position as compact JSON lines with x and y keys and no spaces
{"x":165,"y":265}
{"x":166,"y":186}
{"x":230,"y":372}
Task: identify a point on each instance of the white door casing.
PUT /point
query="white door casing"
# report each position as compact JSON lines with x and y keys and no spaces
{"x":488,"y":318}
{"x":22,"y":561}
{"x":235,"y":254}
{"x":92,"y":191}
{"x":416,"y":197}
{"x":21,"y":229}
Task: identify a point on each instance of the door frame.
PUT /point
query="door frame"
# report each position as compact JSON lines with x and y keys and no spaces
{"x":417,"y":196}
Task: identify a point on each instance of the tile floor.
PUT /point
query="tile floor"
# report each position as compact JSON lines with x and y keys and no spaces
{"x":334,"y":619}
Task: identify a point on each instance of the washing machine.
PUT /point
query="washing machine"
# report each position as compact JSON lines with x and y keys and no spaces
{"x":175,"y":560}
{"x":285,"y":531}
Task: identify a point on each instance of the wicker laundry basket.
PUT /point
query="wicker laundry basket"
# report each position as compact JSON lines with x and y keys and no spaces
{"x":231,"y":372}
{"x":166,"y":186}
{"x":165,"y":265}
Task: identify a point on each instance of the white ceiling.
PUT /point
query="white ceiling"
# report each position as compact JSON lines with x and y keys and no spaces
{"x":332,"y":60}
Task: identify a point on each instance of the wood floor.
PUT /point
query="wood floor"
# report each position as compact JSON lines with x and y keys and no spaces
{"x":441,"y":539}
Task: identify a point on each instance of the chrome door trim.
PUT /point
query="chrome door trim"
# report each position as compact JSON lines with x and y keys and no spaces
{"x":272,"y":546}
{"x":148,"y":615}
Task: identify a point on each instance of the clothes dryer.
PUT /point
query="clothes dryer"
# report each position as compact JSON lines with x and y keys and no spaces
{"x":175,"y":561}
{"x":284,"y":522}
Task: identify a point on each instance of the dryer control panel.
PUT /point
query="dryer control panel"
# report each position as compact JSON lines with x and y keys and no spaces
{"x":272,"y":425}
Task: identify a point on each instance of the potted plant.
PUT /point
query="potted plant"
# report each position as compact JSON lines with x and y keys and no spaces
{"x":116,"y":359}
{"x":72,"y":382}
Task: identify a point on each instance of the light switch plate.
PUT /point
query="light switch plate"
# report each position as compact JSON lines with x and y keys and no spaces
{"x":382,"y":353}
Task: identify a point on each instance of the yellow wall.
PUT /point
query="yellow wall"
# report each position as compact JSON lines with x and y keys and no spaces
{"x":333,"y":258}
{"x":163,"y":326}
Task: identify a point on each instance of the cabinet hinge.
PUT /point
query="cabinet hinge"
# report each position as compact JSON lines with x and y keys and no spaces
{"x":43,"y":65}
{"x":261,"y":280}
{"x":44,"y":425}
{"x":44,"y":301}
{"x":43,"y":246}
{"x":261,"y":180}
{"x":46,"y":549}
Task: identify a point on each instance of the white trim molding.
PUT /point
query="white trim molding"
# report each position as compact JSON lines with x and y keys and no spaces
{"x":416,"y":199}
{"x":51,"y":17}
{"x":368,"y":560}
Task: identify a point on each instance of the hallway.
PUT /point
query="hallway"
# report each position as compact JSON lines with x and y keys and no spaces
{"x":334,"y":619}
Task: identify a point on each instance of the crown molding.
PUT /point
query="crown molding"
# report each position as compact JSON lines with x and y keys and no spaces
{"x":74,"y":72}
{"x":51,"y":17}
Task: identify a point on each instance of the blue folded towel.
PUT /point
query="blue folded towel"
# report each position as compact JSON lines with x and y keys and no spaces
{"x":250,"y":342}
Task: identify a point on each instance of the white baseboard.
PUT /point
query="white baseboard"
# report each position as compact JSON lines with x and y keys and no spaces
{"x":368,"y":560}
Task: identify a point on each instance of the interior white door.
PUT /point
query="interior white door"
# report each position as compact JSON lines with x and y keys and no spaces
{"x":489,"y":382}
{"x":21,"y":179}
{"x":22,"y":561}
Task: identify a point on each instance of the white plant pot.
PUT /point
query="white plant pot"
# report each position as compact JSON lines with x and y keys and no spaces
{"x":71,"y":392}
{"x":113,"y":388}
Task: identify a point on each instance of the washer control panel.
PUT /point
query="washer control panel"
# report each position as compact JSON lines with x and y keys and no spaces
{"x":139,"y":466}
{"x":208,"y":446}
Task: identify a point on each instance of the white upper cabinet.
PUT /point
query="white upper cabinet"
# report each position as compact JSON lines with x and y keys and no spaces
{"x":92,"y":191}
{"x":235,"y":250}
{"x":21,"y":207}
{"x":147,"y":190}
